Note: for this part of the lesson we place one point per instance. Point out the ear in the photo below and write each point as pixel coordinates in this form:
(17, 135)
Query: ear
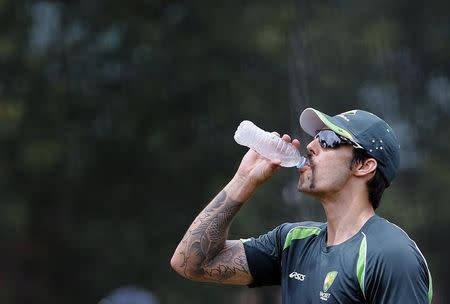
(367, 167)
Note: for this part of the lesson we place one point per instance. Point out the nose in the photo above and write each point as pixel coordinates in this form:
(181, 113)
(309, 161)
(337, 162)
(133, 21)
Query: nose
(313, 146)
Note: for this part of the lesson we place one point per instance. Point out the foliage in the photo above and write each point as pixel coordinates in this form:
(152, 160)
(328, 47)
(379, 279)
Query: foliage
(116, 125)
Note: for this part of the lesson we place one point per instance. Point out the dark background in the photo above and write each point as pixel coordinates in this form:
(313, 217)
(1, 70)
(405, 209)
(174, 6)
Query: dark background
(117, 122)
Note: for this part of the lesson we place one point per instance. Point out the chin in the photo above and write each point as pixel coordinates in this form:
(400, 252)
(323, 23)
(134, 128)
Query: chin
(305, 188)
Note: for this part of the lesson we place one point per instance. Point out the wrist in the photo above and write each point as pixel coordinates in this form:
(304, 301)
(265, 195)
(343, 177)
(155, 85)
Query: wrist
(240, 188)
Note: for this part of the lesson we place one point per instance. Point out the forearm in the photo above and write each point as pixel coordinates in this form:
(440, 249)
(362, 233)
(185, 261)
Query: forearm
(196, 255)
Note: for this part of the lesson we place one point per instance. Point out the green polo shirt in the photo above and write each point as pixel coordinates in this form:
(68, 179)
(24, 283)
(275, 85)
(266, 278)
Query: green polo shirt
(379, 264)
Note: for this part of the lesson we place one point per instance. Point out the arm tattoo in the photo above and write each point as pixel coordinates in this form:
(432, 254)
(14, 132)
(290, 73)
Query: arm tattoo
(206, 238)
(231, 262)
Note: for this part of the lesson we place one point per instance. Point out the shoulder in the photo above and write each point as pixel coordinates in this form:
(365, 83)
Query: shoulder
(284, 233)
(390, 245)
(393, 269)
(306, 227)
(302, 230)
(383, 236)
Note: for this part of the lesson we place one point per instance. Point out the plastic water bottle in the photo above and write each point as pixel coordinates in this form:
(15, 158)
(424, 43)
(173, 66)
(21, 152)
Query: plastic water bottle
(268, 145)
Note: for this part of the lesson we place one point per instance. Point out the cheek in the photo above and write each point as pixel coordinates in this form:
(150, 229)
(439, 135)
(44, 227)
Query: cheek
(334, 175)
(339, 174)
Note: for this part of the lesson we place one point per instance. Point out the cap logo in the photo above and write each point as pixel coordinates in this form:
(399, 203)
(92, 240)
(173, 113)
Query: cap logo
(343, 115)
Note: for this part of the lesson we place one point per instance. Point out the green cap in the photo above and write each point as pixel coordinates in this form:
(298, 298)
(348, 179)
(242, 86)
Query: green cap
(365, 129)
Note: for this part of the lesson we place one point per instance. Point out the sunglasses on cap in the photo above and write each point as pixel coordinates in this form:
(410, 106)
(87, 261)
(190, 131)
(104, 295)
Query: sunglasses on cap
(328, 139)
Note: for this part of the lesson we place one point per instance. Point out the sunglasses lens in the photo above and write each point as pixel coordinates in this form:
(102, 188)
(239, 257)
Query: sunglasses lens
(329, 139)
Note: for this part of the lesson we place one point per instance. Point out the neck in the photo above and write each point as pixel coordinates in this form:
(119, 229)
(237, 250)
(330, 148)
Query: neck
(346, 214)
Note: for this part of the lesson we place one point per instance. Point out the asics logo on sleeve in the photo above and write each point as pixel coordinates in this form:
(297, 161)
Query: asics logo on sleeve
(297, 276)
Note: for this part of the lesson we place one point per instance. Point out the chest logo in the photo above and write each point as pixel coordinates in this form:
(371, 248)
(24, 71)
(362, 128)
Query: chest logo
(329, 279)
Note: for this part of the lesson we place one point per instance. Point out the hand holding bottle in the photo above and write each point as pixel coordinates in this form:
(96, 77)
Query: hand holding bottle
(268, 145)
(268, 152)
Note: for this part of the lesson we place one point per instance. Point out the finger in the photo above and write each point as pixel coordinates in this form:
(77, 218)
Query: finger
(275, 162)
(274, 165)
(276, 133)
(296, 143)
(286, 137)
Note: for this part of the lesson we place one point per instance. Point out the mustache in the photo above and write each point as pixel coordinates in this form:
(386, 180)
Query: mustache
(309, 158)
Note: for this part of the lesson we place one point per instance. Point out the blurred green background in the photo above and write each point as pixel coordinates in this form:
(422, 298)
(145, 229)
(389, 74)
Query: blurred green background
(117, 122)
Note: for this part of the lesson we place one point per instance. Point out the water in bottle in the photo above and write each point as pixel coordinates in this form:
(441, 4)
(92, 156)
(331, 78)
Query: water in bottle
(268, 145)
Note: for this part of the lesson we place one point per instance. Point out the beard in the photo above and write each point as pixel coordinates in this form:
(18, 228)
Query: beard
(312, 184)
(305, 179)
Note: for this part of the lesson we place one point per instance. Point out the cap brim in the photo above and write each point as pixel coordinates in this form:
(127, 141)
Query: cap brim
(312, 121)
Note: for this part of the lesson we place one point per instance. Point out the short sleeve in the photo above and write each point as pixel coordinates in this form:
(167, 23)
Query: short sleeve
(398, 275)
(264, 256)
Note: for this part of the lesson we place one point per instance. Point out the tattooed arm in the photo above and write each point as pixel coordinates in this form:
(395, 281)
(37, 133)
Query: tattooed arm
(204, 253)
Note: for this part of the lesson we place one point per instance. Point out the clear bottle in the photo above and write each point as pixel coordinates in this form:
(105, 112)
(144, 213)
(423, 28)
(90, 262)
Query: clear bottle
(268, 145)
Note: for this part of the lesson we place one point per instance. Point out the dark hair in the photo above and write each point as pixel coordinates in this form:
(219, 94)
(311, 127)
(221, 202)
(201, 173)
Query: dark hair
(376, 184)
